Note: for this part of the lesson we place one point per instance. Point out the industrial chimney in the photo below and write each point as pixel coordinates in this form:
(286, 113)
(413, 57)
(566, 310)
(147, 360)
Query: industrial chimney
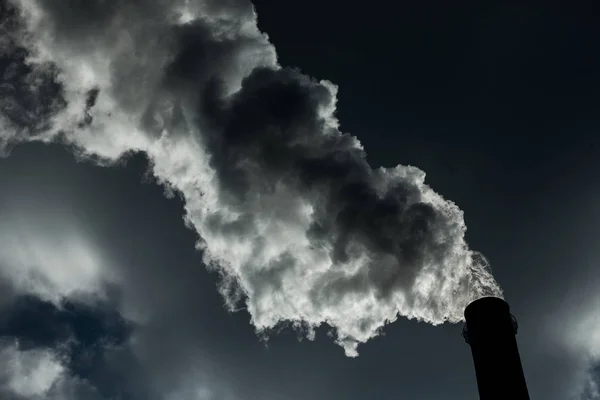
(490, 331)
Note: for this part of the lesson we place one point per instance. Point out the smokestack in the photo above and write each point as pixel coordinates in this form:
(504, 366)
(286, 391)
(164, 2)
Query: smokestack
(490, 331)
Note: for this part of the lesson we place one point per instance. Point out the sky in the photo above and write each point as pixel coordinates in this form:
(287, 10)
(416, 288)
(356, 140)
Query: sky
(226, 200)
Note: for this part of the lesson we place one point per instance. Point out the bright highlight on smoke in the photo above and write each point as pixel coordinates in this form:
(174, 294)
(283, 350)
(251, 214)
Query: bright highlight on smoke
(286, 207)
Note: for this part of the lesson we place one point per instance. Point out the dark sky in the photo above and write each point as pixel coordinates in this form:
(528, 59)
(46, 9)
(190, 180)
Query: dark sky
(497, 103)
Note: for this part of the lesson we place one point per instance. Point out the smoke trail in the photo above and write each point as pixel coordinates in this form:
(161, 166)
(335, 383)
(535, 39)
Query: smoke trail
(301, 229)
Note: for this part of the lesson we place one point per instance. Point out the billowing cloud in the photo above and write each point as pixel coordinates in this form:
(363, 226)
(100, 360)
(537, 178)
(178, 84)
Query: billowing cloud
(286, 207)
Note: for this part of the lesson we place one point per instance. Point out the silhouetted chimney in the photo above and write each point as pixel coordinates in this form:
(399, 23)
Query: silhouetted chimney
(490, 331)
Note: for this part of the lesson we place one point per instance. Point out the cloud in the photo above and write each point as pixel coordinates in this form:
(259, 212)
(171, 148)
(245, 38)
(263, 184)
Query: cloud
(576, 338)
(591, 386)
(28, 374)
(71, 290)
(44, 254)
(61, 351)
(286, 207)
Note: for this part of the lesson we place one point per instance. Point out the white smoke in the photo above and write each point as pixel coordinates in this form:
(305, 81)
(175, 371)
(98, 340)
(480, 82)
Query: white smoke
(300, 227)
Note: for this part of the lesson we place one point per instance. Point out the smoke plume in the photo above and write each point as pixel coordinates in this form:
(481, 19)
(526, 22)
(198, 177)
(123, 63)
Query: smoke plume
(301, 229)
